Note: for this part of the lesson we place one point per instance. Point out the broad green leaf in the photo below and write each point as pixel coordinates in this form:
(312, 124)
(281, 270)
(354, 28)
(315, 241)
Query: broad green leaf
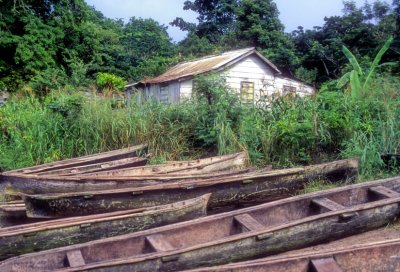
(377, 60)
(353, 60)
(344, 80)
(355, 84)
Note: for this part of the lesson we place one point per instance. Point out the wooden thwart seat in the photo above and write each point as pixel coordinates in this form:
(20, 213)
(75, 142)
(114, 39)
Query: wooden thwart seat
(75, 258)
(158, 243)
(384, 192)
(327, 204)
(324, 265)
(248, 223)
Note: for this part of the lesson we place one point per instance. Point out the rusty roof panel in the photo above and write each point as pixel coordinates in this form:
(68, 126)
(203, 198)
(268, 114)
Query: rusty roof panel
(199, 66)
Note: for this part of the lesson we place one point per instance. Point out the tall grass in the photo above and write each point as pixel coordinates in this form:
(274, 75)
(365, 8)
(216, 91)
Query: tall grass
(286, 132)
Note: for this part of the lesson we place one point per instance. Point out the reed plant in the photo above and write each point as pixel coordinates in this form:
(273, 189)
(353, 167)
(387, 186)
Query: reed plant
(288, 131)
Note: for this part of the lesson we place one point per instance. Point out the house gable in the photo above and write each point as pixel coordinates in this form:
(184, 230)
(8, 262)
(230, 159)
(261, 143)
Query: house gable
(252, 76)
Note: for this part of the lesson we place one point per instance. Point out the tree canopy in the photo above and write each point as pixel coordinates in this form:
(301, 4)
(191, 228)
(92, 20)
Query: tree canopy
(50, 43)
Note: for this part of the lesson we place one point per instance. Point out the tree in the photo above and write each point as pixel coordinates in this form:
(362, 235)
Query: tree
(216, 18)
(362, 29)
(144, 39)
(230, 24)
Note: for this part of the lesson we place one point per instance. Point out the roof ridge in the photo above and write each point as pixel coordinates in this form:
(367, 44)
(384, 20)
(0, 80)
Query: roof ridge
(216, 55)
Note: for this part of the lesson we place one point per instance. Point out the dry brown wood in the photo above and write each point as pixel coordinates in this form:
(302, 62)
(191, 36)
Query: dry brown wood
(384, 192)
(288, 224)
(97, 167)
(14, 213)
(143, 175)
(248, 222)
(75, 258)
(247, 188)
(327, 204)
(375, 256)
(89, 159)
(325, 265)
(158, 243)
(200, 166)
(46, 235)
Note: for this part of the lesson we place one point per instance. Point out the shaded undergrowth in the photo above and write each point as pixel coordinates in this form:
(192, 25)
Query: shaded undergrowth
(283, 131)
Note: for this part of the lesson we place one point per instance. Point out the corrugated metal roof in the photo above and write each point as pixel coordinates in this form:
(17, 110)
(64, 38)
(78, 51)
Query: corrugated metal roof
(207, 64)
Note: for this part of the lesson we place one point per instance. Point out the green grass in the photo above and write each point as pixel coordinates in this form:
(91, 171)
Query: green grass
(285, 132)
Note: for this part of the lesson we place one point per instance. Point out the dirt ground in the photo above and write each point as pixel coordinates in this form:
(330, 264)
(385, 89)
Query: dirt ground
(389, 232)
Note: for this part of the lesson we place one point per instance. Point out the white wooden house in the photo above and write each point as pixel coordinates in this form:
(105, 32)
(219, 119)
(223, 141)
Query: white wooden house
(247, 72)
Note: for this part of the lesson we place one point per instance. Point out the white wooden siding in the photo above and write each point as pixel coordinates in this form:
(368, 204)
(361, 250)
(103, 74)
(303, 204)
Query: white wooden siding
(301, 88)
(186, 89)
(250, 69)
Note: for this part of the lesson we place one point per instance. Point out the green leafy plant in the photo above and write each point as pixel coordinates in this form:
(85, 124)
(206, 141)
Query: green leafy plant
(358, 78)
(111, 82)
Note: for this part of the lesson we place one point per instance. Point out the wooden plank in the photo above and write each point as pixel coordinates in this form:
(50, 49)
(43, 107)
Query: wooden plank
(158, 243)
(75, 258)
(384, 192)
(248, 222)
(327, 204)
(325, 265)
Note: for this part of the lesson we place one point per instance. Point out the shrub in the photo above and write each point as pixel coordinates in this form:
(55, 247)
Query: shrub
(109, 81)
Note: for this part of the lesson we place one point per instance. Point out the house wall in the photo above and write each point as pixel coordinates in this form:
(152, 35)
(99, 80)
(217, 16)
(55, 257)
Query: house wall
(250, 69)
(253, 69)
(186, 89)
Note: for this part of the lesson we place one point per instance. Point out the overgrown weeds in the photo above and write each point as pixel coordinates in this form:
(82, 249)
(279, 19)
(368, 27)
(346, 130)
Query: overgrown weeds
(288, 131)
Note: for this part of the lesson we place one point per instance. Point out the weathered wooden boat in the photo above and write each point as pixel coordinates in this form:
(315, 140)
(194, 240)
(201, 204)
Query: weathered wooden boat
(247, 188)
(200, 166)
(12, 213)
(14, 208)
(378, 256)
(146, 174)
(97, 167)
(84, 160)
(252, 232)
(62, 232)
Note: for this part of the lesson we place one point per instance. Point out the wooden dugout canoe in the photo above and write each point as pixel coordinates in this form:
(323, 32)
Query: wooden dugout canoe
(200, 166)
(378, 256)
(247, 188)
(56, 233)
(14, 213)
(84, 160)
(253, 232)
(34, 184)
(97, 167)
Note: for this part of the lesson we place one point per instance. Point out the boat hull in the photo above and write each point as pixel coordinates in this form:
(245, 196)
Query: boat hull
(239, 235)
(242, 189)
(378, 256)
(57, 233)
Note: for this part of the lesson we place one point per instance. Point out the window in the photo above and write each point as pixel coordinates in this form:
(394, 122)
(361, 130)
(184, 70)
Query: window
(247, 92)
(289, 91)
(164, 94)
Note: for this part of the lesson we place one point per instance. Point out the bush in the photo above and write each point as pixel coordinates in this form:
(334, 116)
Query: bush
(109, 81)
(289, 132)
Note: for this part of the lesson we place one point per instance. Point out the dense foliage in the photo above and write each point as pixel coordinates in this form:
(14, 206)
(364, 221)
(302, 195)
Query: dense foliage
(46, 45)
(50, 44)
(51, 52)
(290, 131)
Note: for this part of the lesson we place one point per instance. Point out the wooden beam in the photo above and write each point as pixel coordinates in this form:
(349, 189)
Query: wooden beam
(327, 204)
(325, 265)
(384, 192)
(158, 243)
(75, 258)
(248, 223)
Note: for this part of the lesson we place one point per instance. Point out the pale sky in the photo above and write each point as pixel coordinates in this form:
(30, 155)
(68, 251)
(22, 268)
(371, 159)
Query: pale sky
(307, 13)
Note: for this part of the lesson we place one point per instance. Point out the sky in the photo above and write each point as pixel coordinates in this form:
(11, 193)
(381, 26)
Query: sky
(307, 13)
